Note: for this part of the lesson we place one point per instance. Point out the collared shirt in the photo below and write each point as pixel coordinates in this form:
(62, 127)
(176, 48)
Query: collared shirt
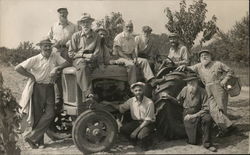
(215, 71)
(81, 41)
(179, 56)
(41, 67)
(139, 110)
(62, 33)
(127, 44)
(194, 100)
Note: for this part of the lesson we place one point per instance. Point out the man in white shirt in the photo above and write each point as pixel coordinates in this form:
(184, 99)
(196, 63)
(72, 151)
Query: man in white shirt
(143, 115)
(41, 70)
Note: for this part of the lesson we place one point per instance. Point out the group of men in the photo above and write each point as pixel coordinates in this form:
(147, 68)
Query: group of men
(85, 48)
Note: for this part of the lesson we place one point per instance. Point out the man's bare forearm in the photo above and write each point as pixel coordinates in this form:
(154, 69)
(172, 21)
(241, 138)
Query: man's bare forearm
(24, 72)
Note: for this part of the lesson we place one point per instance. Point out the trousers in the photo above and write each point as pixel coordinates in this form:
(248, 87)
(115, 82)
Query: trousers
(144, 66)
(43, 101)
(218, 99)
(129, 127)
(192, 129)
(83, 71)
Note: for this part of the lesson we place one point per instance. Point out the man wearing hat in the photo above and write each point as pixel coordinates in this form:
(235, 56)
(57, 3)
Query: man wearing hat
(84, 49)
(194, 100)
(145, 46)
(60, 33)
(40, 96)
(214, 75)
(177, 52)
(124, 47)
(142, 113)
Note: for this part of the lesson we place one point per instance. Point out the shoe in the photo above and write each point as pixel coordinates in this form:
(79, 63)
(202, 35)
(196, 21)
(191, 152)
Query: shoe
(41, 146)
(31, 143)
(212, 149)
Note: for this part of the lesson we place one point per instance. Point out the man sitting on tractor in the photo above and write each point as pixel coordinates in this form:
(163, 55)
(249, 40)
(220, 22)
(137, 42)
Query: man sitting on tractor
(142, 113)
(177, 52)
(145, 46)
(84, 49)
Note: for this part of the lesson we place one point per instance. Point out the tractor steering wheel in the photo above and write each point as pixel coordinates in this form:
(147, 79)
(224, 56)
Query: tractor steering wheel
(164, 62)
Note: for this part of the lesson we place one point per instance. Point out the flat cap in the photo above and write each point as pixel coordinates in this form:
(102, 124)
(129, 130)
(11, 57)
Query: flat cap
(173, 34)
(101, 29)
(204, 51)
(146, 29)
(141, 84)
(60, 9)
(44, 41)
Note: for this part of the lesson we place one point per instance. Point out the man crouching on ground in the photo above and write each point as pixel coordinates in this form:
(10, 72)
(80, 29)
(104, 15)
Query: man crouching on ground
(196, 113)
(142, 113)
(41, 70)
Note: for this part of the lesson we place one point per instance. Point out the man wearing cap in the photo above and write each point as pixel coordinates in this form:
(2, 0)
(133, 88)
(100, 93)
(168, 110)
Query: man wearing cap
(142, 113)
(145, 46)
(40, 70)
(124, 47)
(60, 33)
(84, 49)
(214, 75)
(194, 100)
(177, 52)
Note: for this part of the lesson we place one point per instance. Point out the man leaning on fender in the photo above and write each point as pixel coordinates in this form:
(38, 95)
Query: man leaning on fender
(40, 70)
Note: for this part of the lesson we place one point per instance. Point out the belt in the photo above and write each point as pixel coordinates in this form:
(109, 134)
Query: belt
(44, 84)
(211, 83)
(61, 46)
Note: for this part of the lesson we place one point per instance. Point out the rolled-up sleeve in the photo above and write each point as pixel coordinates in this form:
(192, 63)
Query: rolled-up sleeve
(118, 41)
(28, 64)
(229, 72)
(150, 113)
(125, 106)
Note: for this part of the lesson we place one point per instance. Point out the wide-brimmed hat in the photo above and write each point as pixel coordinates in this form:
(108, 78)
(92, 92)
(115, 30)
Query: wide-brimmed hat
(60, 9)
(86, 16)
(44, 41)
(172, 34)
(204, 51)
(146, 29)
(191, 77)
(141, 84)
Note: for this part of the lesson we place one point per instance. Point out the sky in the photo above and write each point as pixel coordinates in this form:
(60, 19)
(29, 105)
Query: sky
(30, 20)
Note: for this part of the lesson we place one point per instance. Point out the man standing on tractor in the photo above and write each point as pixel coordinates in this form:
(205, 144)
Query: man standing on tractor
(38, 95)
(143, 116)
(145, 46)
(214, 76)
(84, 49)
(177, 52)
(60, 33)
(124, 48)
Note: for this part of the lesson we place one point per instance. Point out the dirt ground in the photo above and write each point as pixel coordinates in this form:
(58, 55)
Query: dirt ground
(237, 143)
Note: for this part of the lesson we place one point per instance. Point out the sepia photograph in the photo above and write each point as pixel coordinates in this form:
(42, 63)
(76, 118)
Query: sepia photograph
(124, 77)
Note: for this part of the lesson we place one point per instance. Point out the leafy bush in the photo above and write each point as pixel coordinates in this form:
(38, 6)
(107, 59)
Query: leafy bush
(15, 56)
(9, 121)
